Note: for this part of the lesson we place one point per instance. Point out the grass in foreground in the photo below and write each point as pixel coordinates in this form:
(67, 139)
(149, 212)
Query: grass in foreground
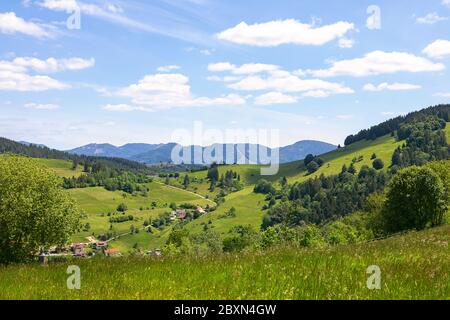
(414, 266)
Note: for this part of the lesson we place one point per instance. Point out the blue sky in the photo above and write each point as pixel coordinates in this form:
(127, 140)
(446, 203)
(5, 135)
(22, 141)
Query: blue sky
(136, 71)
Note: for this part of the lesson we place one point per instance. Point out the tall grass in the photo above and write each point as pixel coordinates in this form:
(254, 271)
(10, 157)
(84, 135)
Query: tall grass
(413, 266)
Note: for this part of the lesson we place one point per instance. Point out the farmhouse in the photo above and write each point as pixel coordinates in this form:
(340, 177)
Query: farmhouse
(112, 253)
(200, 210)
(100, 245)
(78, 249)
(181, 214)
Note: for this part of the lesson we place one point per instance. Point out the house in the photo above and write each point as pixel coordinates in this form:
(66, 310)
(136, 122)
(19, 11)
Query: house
(78, 249)
(112, 253)
(200, 210)
(181, 214)
(100, 245)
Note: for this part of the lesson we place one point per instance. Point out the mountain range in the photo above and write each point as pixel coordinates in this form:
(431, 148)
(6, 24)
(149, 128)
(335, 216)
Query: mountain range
(161, 153)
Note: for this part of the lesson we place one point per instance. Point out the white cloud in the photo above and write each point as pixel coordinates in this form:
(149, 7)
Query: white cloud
(60, 5)
(442, 94)
(317, 94)
(289, 83)
(346, 43)
(119, 107)
(391, 87)
(430, 18)
(438, 49)
(52, 65)
(15, 75)
(379, 62)
(249, 68)
(11, 24)
(274, 98)
(40, 106)
(166, 91)
(279, 32)
(168, 68)
(446, 3)
(345, 116)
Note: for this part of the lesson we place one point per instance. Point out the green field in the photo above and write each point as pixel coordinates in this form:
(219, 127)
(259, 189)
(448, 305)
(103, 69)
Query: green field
(62, 168)
(413, 266)
(97, 202)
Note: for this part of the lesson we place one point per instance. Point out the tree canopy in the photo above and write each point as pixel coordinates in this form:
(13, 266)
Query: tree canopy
(35, 211)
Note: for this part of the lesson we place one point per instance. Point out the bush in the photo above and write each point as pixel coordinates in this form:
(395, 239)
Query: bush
(264, 187)
(415, 199)
(122, 207)
(312, 167)
(378, 164)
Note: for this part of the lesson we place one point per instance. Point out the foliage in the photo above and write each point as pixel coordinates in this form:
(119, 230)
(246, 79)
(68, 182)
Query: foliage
(415, 199)
(34, 211)
(264, 187)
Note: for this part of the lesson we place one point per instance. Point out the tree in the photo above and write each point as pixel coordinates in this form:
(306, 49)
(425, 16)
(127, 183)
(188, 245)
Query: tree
(308, 159)
(352, 169)
(122, 207)
(378, 164)
(264, 187)
(415, 199)
(312, 167)
(35, 212)
(186, 181)
(213, 173)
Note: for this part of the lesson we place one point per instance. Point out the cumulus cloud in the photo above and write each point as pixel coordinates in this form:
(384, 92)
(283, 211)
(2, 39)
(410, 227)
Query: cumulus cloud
(442, 94)
(168, 68)
(275, 80)
(279, 32)
(430, 18)
(166, 91)
(40, 106)
(10, 23)
(275, 98)
(249, 68)
(52, 65)
(346, 43)
(446, 3)
(378, 62)
(438, 49)
(289, 83)
(391, 87)
(16, 75)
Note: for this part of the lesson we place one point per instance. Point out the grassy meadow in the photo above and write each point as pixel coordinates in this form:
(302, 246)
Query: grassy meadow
(413, 266)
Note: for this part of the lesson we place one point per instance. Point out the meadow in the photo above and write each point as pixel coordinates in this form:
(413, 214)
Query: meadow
(413, 266)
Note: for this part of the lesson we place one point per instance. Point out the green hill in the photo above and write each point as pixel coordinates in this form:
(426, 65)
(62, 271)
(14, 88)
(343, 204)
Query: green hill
(337, 272)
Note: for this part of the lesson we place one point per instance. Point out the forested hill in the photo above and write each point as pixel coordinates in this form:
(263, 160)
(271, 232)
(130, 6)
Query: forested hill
(34, 151)
(389, 126)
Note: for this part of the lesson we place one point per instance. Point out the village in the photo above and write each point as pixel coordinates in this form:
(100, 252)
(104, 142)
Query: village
(94, 247)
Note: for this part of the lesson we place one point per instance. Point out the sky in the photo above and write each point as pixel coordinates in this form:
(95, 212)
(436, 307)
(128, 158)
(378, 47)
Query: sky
(89, 71)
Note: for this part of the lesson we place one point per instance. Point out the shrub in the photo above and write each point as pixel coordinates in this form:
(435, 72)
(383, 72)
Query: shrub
(415, 199)
(312, 167)
(378, 164)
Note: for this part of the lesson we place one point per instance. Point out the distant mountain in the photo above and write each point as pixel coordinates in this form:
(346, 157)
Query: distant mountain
(301, 149)
(157, 153)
